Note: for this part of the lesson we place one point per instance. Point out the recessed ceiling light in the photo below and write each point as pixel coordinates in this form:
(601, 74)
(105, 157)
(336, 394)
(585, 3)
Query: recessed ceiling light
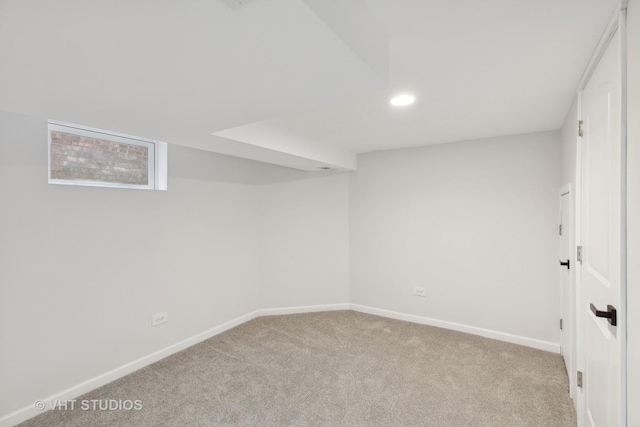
(403, 100)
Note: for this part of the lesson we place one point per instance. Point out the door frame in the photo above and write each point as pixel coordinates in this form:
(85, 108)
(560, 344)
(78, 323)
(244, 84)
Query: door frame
(616, 23)
(567, 190)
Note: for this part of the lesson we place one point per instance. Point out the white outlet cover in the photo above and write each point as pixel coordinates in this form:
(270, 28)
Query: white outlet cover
(159, 318)
(419, 291)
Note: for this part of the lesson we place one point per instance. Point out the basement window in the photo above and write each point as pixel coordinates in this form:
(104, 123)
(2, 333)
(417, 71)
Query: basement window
(84, 156)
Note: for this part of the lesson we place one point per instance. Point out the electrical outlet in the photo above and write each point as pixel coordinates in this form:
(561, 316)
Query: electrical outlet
(159, 318)
(420, 292)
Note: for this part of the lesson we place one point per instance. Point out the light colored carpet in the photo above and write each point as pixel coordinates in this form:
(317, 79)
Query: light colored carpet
(338, 369)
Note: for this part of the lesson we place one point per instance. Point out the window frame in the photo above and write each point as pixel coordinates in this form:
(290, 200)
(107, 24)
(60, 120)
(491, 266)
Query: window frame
(156, 152)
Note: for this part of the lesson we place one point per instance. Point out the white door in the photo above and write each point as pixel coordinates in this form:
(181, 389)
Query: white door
(601, 239)
(565, 265)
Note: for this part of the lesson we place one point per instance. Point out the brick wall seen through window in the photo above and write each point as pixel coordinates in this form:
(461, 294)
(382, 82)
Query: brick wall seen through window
(82, 158)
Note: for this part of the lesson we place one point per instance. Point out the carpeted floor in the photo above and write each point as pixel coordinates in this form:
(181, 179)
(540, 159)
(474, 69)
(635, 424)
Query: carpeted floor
(339, 368)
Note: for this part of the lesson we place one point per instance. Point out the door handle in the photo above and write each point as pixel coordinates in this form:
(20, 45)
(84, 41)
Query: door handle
(566, 263)
(610, 314)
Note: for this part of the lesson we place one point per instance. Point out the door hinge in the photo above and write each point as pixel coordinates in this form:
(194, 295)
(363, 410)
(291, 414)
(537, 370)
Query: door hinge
(579, 254)
(560, 324)
(580, 128)
(560, 229)
(579, 379)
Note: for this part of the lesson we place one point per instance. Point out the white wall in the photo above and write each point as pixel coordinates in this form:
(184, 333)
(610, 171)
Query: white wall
(304, 256)
(475, 223)
(633, 213)
(569, 145)
(82, 269)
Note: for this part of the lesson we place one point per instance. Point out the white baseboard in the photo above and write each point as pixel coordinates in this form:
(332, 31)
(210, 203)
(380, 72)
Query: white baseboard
(27, 412)
(487, 333)
(303, 309)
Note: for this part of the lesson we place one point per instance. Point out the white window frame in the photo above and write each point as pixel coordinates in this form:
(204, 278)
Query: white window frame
(156, 165)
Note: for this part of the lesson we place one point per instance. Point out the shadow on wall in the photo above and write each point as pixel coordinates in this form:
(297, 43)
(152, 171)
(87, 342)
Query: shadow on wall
(191, 163)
